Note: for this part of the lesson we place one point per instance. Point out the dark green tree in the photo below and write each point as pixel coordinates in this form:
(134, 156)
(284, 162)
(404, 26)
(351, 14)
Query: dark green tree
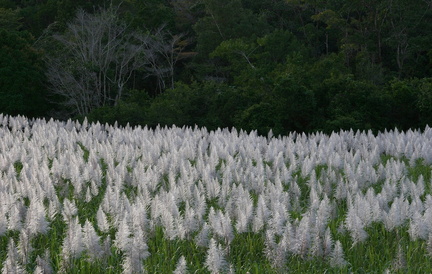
(149, 14)
(22, 77)
(355, 104)
(224, 20)
(10, 19)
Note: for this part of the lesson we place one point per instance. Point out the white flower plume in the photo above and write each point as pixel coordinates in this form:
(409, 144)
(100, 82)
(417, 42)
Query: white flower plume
(215, 261)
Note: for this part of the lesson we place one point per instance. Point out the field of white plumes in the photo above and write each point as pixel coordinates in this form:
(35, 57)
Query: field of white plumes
(92, 198)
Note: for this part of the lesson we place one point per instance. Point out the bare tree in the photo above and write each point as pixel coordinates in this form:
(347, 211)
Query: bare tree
(162, 51)
(98, 54)
(97, 58)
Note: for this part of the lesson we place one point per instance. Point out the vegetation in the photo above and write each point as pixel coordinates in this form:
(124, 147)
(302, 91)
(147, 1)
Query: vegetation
(287, 65)
(92, 198)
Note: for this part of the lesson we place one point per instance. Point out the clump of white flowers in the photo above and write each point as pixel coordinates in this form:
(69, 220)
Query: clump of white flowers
(109, 191)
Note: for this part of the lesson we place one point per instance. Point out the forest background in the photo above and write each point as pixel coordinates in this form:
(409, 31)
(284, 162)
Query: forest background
(285, 65)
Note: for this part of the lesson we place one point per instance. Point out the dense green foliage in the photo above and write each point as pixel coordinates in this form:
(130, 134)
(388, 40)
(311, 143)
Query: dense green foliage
(22, 88)
(292, 65)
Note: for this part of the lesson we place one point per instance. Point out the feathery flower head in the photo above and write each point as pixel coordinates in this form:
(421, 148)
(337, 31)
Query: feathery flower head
(215, 261)
(181, 266)
(337, 256)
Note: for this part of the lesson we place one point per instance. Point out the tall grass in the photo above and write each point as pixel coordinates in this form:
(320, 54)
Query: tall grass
(81, 198)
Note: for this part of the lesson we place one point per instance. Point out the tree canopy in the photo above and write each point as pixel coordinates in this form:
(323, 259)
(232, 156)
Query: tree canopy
(292, 65)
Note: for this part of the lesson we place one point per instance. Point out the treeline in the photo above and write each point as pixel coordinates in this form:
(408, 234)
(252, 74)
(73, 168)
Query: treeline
(288, 65)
